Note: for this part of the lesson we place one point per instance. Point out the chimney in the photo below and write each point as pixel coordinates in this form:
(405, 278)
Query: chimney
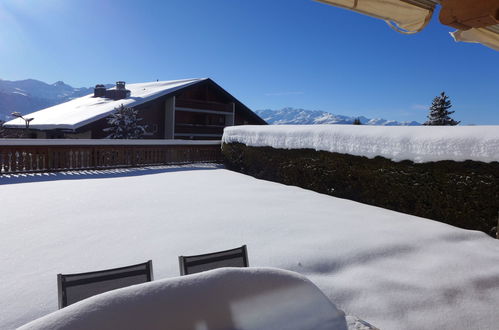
(99, 91)
(120, 85)
(120, 92)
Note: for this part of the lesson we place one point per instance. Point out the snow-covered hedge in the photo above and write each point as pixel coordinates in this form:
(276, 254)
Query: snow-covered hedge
(462, 194)
(419, 144)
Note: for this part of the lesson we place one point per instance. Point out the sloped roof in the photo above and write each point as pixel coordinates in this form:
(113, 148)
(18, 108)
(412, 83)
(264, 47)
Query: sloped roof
(84, 110)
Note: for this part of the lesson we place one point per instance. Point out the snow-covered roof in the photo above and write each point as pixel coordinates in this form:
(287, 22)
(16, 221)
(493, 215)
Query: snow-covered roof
(83, 110)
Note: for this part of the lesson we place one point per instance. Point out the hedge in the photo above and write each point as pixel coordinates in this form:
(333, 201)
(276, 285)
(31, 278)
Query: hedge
(463, 194)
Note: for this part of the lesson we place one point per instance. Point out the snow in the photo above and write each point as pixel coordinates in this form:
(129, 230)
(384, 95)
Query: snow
(230, 298)
(292, 116)
(20, 93)
(393, 270)
(81, 111)
(101, 142)
(419, 144)
(354, 323)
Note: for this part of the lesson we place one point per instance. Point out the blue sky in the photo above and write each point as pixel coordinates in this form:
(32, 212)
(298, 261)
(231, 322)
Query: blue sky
(267, 53)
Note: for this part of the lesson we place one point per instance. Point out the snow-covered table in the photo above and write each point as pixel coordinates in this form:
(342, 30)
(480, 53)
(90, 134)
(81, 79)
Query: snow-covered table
(227, 298)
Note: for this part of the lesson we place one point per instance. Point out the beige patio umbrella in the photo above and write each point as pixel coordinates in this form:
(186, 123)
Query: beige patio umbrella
(403, 16)
(486, 36)
(476, 20)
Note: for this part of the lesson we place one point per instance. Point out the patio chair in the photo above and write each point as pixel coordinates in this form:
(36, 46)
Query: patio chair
(237, 257)
(75, 287)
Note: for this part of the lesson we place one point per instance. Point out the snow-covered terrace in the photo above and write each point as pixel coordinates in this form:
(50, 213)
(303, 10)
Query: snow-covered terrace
(394, 270)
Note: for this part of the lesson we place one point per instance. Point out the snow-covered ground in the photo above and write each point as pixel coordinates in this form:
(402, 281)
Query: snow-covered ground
(393, 270)
(417, 143)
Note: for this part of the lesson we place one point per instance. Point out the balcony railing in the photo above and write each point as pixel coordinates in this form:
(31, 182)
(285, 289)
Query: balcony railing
(37, 155)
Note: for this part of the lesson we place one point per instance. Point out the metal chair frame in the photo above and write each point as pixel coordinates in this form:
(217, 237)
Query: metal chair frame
(63, 282)
(184, 263)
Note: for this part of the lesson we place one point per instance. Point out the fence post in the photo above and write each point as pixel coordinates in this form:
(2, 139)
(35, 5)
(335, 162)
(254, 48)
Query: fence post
(94, 158)
(497, 228)
(49, 159)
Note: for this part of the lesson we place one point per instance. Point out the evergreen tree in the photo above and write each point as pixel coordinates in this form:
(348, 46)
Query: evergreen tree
(439, 112)
(356, 121)
(11, 133)
(124, 124)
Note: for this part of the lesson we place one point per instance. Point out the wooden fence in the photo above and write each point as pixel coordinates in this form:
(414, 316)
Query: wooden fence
(24, 156)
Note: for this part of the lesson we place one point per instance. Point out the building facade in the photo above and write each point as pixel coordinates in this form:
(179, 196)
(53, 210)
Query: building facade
(190, 109)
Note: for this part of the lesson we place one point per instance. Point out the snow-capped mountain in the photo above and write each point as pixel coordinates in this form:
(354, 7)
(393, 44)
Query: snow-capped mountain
(292, 116)
(29, 95)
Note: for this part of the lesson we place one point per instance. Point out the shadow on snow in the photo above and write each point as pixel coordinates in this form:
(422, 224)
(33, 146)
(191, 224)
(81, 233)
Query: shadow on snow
(13, 178)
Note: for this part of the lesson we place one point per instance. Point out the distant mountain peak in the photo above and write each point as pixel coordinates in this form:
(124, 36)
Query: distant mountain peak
(294, 116)
(30, 95)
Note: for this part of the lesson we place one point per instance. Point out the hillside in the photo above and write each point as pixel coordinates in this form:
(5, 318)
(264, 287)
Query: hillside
(30, 95)
(292, 116)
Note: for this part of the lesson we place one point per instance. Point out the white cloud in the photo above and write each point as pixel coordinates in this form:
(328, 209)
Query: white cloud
(284, 93)
(419, 107)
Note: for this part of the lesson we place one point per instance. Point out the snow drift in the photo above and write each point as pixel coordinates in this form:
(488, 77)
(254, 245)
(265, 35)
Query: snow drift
(229, 298)
(419, 144)
(393, 270)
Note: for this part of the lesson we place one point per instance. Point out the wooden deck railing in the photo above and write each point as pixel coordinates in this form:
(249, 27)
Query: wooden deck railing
(34, 155)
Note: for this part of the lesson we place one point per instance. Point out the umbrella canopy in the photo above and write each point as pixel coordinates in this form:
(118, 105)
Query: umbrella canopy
(404, 16)
(477, 21)
(486, 36)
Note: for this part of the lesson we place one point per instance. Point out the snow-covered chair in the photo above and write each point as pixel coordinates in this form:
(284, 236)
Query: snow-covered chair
(75, 287)
(225, 298)
(237, 257)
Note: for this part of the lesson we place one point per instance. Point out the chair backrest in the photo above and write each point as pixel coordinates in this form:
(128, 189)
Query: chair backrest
(76, 287)
(237, 257)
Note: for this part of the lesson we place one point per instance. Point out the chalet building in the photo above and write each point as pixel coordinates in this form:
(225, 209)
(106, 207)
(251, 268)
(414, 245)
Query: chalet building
(178, 109)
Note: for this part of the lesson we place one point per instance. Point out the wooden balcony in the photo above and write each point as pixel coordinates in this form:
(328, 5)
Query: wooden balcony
(37, 155)
(203, 105)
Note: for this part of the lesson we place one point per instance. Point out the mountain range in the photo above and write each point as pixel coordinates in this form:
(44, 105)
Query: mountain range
(292, 116)
(30, 95)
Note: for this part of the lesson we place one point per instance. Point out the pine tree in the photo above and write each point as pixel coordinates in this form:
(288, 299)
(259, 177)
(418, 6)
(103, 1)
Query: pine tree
(11, 133)
(357, 121)
(439, 112)
(124, 124)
